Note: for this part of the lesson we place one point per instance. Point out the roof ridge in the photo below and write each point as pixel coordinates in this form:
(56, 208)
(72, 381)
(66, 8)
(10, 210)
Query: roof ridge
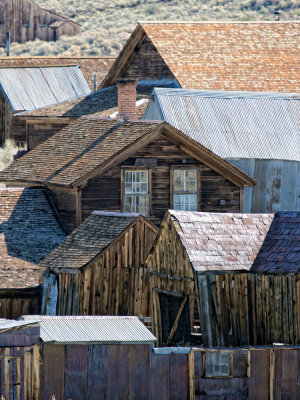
(215, 22)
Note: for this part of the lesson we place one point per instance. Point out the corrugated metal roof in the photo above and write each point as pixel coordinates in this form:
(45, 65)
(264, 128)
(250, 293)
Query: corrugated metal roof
(31, 88)
(234, 124)
(11, 323)
(96, 329)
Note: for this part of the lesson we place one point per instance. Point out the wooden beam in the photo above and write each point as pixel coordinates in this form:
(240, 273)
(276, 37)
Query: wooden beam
(175, 325)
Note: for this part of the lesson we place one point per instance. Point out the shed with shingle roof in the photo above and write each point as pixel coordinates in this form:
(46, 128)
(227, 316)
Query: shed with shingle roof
(248, 55)
(98, 164)
(29, 231)
(99, 268)
(233, 269)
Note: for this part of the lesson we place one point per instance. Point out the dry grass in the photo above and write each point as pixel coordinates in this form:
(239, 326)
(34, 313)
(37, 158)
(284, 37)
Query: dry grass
(7, 153)
(106, 25)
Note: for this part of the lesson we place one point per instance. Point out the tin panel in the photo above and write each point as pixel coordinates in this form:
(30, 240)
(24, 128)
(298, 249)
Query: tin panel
(76, 368)
(138, 371)
(235, 124)
(258, 383)
(159, 377)
(32, 88)
(118, 379)
(97, 372)
(52, 372)
(285, 378)
(179, 379)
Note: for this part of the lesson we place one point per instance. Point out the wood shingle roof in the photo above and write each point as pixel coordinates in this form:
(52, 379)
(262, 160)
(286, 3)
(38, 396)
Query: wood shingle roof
(249, 56)
(29, 230)
(89, 239)
(90, 145)
(251, 242)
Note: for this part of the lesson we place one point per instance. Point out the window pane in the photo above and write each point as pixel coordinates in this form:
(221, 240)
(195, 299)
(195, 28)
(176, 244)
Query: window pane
(190, 180)
(185, 202)
(217, 364)
(177, 181)
(136, 204)
(136, 182)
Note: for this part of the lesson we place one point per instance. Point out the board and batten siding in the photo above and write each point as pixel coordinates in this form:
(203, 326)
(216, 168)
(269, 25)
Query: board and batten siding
(115, 282)
(216, 193)
(26, 21)
(277, 188)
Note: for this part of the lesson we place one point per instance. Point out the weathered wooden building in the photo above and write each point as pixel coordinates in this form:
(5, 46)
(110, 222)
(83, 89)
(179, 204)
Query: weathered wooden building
(29, 230)
(40, 124)
(226, 279)
(131, 166)
(248, 55)
(25, 21)
(113, 358)
(20, 359)
(98, 268)
(31, 88)
(256, 132)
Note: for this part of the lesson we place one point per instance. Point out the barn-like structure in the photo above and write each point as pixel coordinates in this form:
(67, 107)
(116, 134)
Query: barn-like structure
(226, 279)
(25, 21)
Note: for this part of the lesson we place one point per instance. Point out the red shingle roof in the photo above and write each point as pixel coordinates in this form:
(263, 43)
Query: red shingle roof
(248, 56)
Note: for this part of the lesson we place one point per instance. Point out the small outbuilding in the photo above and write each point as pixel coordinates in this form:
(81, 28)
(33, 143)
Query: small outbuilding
(93, 357)
(226, 279)
(29, 88)
(99, 268)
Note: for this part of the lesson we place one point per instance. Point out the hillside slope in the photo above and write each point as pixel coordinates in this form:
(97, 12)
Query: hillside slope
(107, 24)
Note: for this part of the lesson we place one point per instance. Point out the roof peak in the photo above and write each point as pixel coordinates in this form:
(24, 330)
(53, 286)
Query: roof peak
(215, 22)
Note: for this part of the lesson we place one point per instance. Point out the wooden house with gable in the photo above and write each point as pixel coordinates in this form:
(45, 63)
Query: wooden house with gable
(257, 132)
(30, 229)
(248, 55)
(226, 279)
(128, 166)
(98, 269)
(26, 21)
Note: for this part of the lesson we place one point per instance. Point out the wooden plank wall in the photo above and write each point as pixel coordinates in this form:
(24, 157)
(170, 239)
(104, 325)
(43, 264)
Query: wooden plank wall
(116, 283)
(14, 302)
(170, 273)
(65, 202)
(5, 119)
(20, 373)
(26, 21)
(104, 192)
(249, 308)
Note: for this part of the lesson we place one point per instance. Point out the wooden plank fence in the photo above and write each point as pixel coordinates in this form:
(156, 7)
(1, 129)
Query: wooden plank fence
(242, 308)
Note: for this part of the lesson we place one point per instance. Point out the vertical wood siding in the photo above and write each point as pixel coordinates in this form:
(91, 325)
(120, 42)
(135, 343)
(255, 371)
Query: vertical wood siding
(249, 308)
(115, 283)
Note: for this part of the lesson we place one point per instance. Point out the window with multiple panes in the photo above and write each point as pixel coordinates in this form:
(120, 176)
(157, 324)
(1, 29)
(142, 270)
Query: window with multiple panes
(218, 363)
(136, 191)
(185, 190)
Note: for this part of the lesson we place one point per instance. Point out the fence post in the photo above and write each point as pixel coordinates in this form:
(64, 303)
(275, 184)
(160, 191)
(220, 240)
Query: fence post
(191, 371)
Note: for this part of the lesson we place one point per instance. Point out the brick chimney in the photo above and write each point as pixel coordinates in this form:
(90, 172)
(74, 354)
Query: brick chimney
(127, 98)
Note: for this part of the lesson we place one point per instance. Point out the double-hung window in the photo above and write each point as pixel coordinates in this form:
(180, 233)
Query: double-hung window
(185, 189)
(136, 191)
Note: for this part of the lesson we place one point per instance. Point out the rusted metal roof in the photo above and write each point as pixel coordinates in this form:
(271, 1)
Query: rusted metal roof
(29, 230)
(88, 240)
(31, 88)
(92, 329)
(233, 124)
(232, 241)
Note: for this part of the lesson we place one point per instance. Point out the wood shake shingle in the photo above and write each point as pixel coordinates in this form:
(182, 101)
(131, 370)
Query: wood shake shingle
(248, 56)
